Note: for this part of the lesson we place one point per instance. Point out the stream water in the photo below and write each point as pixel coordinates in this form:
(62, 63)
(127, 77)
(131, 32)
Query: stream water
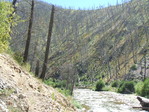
(106, 101)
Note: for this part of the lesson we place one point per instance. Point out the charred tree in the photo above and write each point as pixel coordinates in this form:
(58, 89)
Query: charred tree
(11, 15)
(37, 69)
(133, 49)
(33, 58)
(44, 68)
(145, 64)
(14, 4)
(25, 57)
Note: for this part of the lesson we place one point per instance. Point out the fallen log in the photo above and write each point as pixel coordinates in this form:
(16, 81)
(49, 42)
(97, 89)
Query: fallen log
(143, 108)
(144, 104)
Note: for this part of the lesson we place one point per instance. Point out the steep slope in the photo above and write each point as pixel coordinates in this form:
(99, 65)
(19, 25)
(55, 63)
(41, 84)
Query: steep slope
(105, 42)
(21, 92)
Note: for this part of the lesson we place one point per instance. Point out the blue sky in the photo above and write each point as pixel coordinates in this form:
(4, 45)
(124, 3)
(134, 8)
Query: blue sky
(75, 4)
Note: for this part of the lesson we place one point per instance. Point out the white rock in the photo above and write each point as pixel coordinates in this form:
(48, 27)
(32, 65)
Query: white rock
(3, 107)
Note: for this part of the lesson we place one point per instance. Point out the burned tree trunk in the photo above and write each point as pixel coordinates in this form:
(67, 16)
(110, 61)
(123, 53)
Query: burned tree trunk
(14, 2)
(14, 5)
(44, 68)
(37, 69)
(33, 58)
(25, 57)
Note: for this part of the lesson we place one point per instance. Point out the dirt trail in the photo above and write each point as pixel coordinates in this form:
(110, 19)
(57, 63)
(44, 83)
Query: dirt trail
(21, 92)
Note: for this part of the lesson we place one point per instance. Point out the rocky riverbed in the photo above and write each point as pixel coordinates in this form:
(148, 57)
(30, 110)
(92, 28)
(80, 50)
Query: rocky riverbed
(106, 101)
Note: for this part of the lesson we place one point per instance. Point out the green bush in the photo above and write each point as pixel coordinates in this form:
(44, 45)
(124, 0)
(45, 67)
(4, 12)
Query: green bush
(100, 84)
(49, 82)
(56, 83)
(134, 67)
(65, 92)
(126, 87)
(6, 22)
(145, 88)
(116, 83)
(138, 88)
(60, 83)
(121, 83)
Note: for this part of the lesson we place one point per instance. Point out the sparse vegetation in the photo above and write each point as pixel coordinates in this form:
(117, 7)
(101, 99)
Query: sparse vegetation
(13, 109)
(76, 104)
(6, 92)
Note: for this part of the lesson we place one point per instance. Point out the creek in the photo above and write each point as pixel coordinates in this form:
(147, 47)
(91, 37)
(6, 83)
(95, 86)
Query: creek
(105, 101)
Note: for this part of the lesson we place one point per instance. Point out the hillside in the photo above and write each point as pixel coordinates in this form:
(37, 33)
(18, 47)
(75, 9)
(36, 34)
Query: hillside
(21, 92)
(104, 42)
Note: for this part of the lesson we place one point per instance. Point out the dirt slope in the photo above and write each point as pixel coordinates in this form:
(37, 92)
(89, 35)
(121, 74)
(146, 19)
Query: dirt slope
(21, 92)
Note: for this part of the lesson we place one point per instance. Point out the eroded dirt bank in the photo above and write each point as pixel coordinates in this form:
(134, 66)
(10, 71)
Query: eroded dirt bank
(21, 92)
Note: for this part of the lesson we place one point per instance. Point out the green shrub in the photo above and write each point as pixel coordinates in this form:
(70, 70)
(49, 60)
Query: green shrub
(145, 89)
(134, 67)
(65, 92)
(100, 84)
(126, 87)
(60, 84)
(138, 88)
(56, 83)
(49, 82)
(6, 22)
(116, 83)
(121, 83)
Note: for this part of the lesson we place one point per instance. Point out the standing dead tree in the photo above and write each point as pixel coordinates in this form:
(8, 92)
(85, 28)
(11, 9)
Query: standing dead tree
(44, 68)
(14, 5)
(25, 57)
